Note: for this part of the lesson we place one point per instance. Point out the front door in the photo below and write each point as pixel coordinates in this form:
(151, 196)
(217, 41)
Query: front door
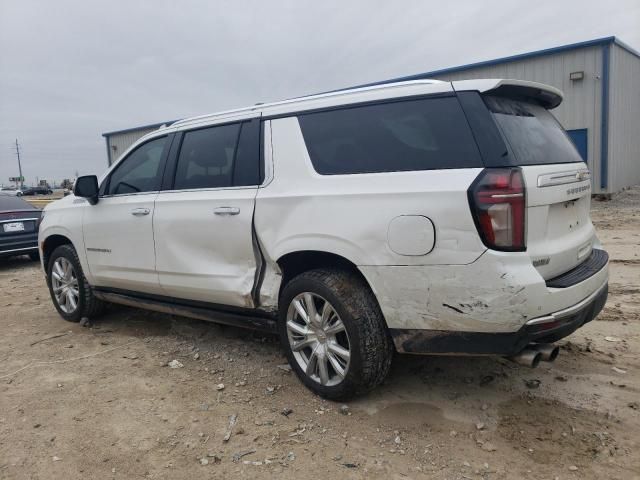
(118, 230)
(203, 225)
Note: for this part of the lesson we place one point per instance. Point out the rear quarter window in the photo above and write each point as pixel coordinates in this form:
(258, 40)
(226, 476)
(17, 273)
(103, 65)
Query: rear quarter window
(423, 134)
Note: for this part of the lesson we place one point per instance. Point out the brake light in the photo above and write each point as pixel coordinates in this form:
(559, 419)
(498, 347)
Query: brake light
(497, 200)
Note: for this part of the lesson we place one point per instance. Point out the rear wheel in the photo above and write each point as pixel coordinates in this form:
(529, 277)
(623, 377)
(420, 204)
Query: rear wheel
(333, 333)
(71, 293)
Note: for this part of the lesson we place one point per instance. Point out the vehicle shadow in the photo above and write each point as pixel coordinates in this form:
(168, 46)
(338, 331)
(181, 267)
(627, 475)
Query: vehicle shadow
(17, 264)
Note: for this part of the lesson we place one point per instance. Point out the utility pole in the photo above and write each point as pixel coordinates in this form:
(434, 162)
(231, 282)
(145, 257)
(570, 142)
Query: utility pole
(19, 165)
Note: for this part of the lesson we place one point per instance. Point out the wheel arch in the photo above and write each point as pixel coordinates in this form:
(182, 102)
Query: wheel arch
(294, 263)
(50, 244)
(297, 262)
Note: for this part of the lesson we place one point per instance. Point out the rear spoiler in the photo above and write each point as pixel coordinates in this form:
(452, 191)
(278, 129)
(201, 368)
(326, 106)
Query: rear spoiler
(547, 96)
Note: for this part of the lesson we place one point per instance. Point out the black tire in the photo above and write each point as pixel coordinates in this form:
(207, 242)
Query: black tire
(88, 305)
(371, 348)
(35, 256)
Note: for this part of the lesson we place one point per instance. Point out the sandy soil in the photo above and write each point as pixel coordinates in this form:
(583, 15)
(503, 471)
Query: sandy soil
(100, 402)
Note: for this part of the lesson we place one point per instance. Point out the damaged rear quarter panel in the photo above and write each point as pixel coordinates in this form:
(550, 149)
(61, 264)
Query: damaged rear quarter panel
(349, 215)
(491, 294)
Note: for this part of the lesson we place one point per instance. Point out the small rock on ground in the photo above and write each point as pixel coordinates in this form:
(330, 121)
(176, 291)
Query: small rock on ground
(175, 364)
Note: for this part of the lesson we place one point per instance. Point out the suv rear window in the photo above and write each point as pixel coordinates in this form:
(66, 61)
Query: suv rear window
(533, 134)
(407, 135)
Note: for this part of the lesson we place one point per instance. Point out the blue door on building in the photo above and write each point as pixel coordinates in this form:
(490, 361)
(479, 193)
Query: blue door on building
(579, 138)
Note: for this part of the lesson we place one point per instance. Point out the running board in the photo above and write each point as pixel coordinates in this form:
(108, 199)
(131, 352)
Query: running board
(268, 325)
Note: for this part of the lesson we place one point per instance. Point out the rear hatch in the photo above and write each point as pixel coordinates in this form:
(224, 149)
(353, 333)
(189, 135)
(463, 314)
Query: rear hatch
(559, 233)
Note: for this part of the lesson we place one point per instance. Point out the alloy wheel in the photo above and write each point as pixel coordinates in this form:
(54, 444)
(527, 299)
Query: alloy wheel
(64, 283)
(318, 339)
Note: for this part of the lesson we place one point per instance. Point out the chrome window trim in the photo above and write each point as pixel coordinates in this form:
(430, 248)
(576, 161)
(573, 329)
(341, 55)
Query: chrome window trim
(128, 194)
(267, 154)
(212, 189)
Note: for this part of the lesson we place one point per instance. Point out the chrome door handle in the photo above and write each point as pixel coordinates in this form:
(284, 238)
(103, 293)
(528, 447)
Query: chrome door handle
(139, 212)
(227, 211)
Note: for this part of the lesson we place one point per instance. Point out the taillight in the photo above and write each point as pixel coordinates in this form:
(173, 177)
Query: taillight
(497, 200)
(39, 221)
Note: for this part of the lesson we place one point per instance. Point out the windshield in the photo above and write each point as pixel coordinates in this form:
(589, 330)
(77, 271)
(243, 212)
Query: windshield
(533, 134)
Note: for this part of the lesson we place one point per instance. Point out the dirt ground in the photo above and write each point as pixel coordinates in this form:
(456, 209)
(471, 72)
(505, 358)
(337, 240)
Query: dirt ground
(101, 402)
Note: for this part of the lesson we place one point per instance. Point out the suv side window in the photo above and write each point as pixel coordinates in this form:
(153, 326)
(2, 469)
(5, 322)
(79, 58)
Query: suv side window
(206, 158)
(219, 156)
(141, 171)
(246, 168)
(425, 134)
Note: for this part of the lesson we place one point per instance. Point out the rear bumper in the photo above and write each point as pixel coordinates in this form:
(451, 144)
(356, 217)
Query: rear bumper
(19, 245)
(499, 292)
(549, 328)
(592, 265)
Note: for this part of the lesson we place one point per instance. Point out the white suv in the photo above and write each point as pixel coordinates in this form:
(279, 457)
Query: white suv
(423, 217)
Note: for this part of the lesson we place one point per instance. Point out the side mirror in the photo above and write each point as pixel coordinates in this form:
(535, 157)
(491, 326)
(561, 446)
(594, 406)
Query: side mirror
(87, 187)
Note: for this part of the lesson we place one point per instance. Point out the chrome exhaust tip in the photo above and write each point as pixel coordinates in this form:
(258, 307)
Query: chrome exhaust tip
(527, 357)
(548, 351)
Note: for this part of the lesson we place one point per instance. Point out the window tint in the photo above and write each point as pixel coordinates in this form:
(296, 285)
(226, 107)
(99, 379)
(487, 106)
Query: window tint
(206, 158)
(399, 136)
(221, 156)
(246, 170)
(141, 171)
(532, 132)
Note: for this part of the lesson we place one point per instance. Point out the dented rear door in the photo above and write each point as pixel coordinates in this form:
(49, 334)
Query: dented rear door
(203, 221)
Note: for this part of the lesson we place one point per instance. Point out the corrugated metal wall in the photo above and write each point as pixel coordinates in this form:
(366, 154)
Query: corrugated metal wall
(119, 142)
(581, 107)
(624, 119)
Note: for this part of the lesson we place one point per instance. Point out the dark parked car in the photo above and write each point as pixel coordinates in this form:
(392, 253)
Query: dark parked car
(19, 221)
(37, 191)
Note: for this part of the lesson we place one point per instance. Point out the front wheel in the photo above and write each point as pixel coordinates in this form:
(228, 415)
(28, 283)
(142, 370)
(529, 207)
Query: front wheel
(71, 293)
(334, 334)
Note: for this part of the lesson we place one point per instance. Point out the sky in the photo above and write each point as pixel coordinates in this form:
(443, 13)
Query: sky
(72, 70)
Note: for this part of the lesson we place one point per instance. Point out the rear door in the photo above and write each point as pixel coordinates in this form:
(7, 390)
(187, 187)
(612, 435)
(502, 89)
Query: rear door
(559, 232)
(203, 221)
